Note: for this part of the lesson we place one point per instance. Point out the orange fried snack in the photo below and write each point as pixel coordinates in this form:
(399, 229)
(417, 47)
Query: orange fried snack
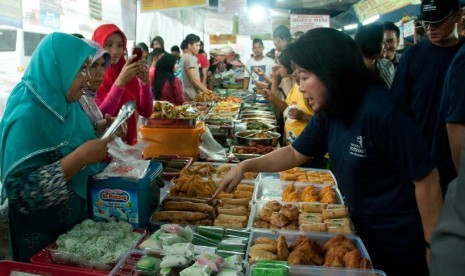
(286, 192)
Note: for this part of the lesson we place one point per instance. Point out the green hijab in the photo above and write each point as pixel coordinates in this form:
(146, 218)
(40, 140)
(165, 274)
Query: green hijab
(38, 119)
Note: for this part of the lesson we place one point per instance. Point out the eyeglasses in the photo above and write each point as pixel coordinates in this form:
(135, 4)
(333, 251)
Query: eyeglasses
(436, 24)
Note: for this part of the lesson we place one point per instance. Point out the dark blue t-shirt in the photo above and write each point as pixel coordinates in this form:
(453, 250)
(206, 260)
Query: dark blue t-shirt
(374, 158)
(451, 110)
(418, 84)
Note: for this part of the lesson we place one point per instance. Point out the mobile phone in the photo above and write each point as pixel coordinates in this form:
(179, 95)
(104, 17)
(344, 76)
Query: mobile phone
(138, 52)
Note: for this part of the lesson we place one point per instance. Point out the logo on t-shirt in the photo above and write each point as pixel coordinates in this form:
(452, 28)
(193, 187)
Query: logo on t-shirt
(358, 149)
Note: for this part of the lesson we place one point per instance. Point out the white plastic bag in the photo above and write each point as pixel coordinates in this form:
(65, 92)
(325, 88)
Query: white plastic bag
(210, 149)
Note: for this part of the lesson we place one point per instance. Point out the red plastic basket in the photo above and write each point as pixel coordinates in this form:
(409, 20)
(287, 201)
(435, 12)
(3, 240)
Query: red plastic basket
(6, 267)
(43, 257)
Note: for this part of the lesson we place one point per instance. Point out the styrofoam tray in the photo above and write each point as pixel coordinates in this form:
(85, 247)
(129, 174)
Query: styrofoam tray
(321, 238)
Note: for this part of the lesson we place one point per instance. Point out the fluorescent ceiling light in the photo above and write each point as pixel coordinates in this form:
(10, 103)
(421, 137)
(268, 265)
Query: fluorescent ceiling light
(371, 19)
(256, 13)
(350, 27)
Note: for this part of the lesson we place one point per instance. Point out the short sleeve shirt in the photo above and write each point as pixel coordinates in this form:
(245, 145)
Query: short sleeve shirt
(265, 64)
(188, 61)
(374, 157)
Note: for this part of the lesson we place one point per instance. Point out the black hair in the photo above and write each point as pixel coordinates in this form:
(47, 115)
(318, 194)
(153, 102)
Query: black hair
(184, 45)
(175, 48)
(191, 39)
(160, 41)
(78, 35)
(369, 39)
(282, 32)
(390, 26)
(257, 40)
(143, 46)
(163, 72)
(285, 60)
(336, 60)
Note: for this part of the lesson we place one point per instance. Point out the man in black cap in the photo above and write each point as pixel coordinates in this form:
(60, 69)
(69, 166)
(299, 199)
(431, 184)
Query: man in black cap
(420, 75)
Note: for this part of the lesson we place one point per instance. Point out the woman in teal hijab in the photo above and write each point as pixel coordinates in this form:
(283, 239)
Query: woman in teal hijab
(48, 147)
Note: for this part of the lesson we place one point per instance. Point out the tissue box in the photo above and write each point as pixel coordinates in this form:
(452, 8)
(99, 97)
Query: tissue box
(130, 200)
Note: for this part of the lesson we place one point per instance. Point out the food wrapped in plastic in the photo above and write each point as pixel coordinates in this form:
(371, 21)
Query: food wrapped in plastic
(180, 249)
(172, 261)
(212, 260)
(197, 270)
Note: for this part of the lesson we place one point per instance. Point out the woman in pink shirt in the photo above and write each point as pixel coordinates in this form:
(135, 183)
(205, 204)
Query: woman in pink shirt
(166, 86)
(123, 81)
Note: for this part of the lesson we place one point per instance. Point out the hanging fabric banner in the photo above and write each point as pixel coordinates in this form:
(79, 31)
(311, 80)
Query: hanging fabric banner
(365, 9)
(153, 5)
(232, 6)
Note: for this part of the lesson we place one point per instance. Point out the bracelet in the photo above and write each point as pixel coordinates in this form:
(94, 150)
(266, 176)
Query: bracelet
(427, 245)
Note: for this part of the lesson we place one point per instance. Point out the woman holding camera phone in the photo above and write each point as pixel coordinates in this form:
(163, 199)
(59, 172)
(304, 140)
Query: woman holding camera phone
(124, 81)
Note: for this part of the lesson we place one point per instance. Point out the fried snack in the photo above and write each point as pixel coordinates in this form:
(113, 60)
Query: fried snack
(224, 195)
(293, 197)
(273, 205)
(287, 192)
(334, 261)
(313, 227)
(188, 206)
(312, 174)
(313, 207)
(282, 250)
(264, 240)
(301, 240)
(365, 264)
(179, 215)
(315, 180)
(287, 176)
(265, 214)
(235, 201)
(230, 218)
(352, 259)
(245, 187)
(305, 218)
(243, 194)
(306, 252)
(325, 190)
(294, 225)
(329, 197)
(237, 211)
(290, 211)
(335, 206)
(229, 224)
(278, 219)
(258, 223)
(301, 178)
(267, 247)
(335, 213)
(209, 201)
(207, 222)
(250, 175)
(339, 240)
(223, 169)
(340, 229)
(338, 222)
(258, 255)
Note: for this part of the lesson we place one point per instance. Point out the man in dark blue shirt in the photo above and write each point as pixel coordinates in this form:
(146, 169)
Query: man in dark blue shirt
(420, 74)
(383, 167)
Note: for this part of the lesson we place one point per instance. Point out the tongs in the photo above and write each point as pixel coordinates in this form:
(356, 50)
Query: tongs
(124, 113)
(262, 131)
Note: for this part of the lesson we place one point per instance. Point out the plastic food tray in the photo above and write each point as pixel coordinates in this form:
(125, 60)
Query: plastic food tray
(266, 190)
(257, 206)
(50, 256)
(7, 267)
(217, 164)
(167, 175)
(244, 156)
(321, 238)
(325, 271)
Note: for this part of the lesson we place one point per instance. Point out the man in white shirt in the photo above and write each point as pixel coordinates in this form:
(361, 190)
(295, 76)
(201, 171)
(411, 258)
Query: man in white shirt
(256, 65)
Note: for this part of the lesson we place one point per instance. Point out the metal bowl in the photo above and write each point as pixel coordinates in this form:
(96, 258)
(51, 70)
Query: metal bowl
(242, 140)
